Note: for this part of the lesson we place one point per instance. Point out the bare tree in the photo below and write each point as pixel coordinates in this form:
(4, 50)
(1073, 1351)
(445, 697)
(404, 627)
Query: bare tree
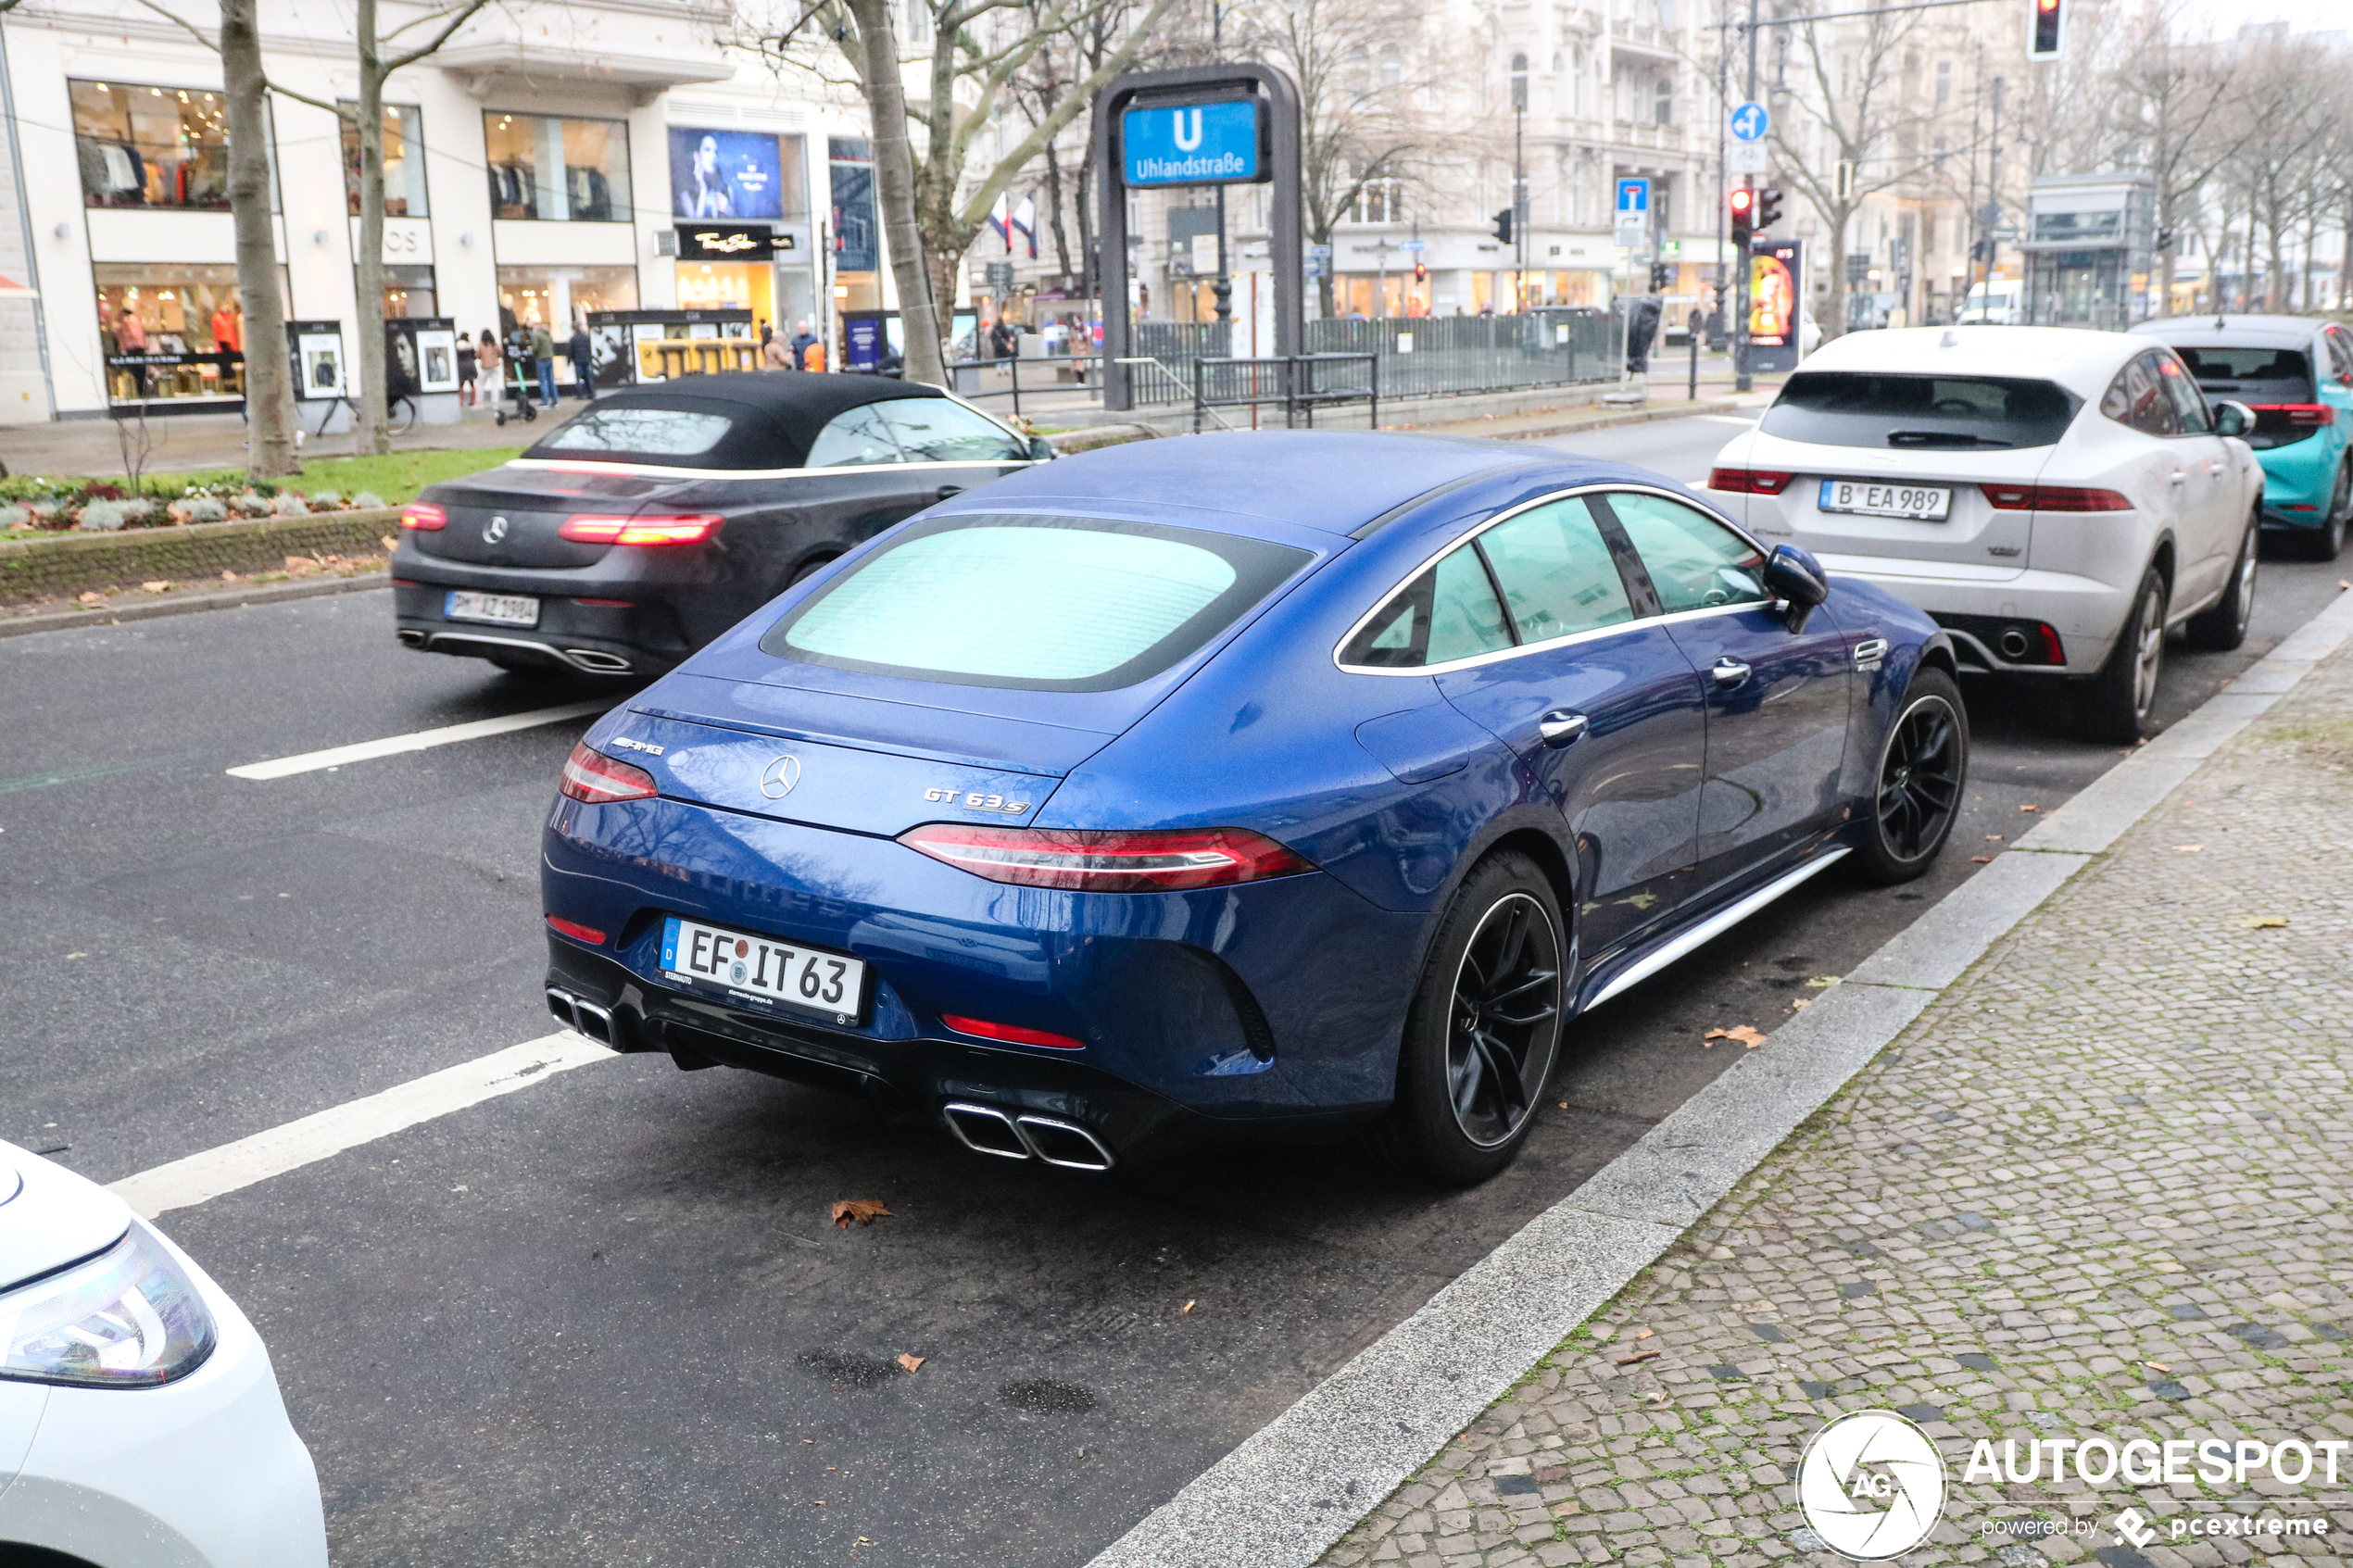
(936, 197)
(269, 414)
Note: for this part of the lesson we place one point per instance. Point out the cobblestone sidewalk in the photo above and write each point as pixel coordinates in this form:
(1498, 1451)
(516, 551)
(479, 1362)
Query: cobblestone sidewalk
(2099, 1189)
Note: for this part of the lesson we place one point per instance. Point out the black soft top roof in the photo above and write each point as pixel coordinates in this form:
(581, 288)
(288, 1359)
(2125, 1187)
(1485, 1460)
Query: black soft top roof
(775, 415)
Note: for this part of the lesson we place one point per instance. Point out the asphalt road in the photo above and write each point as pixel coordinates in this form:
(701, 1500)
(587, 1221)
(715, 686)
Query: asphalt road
(605, 1320)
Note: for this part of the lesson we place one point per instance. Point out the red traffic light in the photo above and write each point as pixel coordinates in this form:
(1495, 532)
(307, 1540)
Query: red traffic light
(1743, 203)
(1743, 200)
(2044, 43)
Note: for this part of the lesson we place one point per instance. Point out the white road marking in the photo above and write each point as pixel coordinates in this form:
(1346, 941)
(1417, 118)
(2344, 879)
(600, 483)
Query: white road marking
(199, 1178)
(393, 745)
(1729, 419)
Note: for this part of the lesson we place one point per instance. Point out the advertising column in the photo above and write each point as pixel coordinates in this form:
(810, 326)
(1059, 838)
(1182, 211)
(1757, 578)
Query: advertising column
(1777, 285)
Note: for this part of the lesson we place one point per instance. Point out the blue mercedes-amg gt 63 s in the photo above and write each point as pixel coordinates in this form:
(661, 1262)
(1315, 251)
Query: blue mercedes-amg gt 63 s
(1273, 784)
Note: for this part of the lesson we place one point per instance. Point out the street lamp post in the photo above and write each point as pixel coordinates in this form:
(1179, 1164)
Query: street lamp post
(1743, 379)
(1520, 184)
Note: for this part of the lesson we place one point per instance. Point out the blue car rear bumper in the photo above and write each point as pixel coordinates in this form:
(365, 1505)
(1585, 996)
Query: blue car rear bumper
(1275, 1002)
(2299, 482)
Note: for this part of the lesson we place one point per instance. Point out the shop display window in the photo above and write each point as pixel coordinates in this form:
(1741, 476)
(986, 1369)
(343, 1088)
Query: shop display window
(560, 297)
(170, 332)
(409, 292)
(404, 162)
(556, 170)
(151, 147)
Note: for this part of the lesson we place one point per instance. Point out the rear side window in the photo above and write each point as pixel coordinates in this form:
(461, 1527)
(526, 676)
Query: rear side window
(1448, 612)
(1865, 408)
(2189, 405)
(660, 432)
(1694, 561)
(856, 438)
(2251, 375)
(1045, 603)
(2137, 398)
(932, 429)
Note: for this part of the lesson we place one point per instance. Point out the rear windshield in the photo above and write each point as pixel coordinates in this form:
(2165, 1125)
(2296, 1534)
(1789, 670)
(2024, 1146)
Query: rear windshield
(659, 432)
(2266, 375)
(1040, 603)
(1859, 408)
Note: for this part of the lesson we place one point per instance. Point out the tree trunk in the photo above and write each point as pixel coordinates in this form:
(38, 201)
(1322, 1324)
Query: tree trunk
(269, 414)
(372, 436)
(1054, 207)
(1836, 310)
(895, 190)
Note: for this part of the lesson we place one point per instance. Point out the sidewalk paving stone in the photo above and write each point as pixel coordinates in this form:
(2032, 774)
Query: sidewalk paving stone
(2099, 1187)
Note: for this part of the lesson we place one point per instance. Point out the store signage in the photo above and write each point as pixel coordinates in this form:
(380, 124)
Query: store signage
(726, 242)
(1199, 144)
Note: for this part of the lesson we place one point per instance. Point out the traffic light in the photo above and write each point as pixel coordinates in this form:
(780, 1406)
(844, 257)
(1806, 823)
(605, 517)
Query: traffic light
(1769, 209)
(1421, 273)
(2045, 45)
(1662, 277)
(1504, 225)
(1743, 215)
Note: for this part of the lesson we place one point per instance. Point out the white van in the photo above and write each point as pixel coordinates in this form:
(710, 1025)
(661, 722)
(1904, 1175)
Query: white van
(2000, 303)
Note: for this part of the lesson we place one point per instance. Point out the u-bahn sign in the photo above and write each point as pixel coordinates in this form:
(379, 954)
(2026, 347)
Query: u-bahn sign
(1196, 143)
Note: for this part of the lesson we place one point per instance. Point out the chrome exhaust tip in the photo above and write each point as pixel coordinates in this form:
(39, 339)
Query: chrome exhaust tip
(1063, 1144)
(564, 1005)
(984, 1129)
(411, 637)
(595, 1022)
(597, 661)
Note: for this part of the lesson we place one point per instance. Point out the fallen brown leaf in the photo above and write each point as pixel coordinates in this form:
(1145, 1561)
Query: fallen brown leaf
(911, 1362)
(1636, 1356)
(1742, 1032)
(2262, 922)
(389, 543)
(90, 598)
(865, 1210)
(1644, 1332)
(1801, 1004)
(2030, 808)
(300, 566)
(1993, 839)
(1187, 1307)
(162, 586)
(231, 577)
(1980, 859)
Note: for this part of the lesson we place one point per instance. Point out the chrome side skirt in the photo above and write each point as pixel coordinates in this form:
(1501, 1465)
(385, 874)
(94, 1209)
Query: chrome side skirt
(1719, 923)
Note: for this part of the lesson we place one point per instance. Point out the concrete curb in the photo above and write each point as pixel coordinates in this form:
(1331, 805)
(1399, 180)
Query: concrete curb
(1576, 426)
(1303, 1481)
(150, 610)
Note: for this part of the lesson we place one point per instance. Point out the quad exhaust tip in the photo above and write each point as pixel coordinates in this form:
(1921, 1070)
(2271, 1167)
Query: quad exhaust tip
(587, 1017)
(985, 1129)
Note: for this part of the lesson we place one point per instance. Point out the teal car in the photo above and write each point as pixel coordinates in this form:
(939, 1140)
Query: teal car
(2297, 373)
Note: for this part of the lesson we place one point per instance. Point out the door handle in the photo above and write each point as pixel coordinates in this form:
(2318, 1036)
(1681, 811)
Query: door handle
(1730, 672)
(946, 490)
(1562, 725)
(2180, 477)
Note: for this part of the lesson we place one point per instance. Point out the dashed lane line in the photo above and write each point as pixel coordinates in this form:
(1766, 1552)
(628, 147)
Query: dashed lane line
(422, 740)
(199, 1178)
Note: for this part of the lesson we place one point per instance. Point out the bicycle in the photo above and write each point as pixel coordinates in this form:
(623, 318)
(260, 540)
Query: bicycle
(400, 413)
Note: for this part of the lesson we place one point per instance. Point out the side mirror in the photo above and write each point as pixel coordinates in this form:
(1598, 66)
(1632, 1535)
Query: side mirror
(1797, 578)
(2233, 419)
(1040, 449)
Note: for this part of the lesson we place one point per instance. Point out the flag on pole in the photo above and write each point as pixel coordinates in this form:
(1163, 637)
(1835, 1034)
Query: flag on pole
(1026, 225)
(1000, 219)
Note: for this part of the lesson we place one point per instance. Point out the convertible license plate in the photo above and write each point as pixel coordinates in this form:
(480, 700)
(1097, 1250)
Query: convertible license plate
(1929, 503)
(500, 609)
(811, 980)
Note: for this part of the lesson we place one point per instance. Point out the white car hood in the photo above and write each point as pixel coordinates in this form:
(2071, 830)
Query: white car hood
(49, 1217)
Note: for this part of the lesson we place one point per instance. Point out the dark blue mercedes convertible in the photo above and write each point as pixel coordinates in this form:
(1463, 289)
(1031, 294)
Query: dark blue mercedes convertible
(1279, 784)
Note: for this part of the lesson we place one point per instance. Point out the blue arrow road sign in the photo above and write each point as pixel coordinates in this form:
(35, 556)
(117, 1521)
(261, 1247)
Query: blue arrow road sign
(1410, 245)
(1750, 122)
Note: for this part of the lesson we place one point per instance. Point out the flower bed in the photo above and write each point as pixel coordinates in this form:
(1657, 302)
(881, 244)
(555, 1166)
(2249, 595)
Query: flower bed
(37, 506)
(63, 565)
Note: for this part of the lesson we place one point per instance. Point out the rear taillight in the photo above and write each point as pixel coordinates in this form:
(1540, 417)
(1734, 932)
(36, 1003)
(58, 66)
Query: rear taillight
(577, 931)
(1749, 481)
(2301, 416)
(2052, 498)
(1158, 861)
(424, 517)
(586, 529)
(1012, 1032)
(595, 778)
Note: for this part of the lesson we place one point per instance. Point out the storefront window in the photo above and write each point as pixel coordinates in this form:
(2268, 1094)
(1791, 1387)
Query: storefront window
(409, 292)
(404, 162)
(857, 235)
(151, 147)
(560, 297)
(557, 171)
(170, 332)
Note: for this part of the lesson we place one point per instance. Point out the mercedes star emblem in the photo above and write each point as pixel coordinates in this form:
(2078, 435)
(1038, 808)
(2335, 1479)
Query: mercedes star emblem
(777, 779)
(493, 531)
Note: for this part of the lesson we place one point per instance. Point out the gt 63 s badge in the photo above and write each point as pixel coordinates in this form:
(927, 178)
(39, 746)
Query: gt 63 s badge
(1871, 1485)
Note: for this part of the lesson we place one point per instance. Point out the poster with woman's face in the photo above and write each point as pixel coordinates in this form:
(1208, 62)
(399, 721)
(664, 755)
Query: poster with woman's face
(729, 174)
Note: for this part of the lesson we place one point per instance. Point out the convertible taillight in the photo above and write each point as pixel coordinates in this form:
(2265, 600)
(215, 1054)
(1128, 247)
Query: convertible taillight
(586, 529)
(593, 777)
(1749, 481)
(1158, 861)
(2052, 498)
(424, 517)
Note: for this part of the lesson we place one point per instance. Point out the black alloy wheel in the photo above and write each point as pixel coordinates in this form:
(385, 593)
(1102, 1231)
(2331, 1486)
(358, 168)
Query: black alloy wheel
(1485, 1027)
(2325, 542)
(1921, 775)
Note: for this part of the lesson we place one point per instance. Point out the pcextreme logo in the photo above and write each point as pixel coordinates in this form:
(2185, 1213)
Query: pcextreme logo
(1871, 1485)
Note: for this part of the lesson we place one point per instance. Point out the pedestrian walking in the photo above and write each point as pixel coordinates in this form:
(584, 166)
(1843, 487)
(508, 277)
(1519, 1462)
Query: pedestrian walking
(802, 339)
(468, 369)
(543, 352)
(494, 369)
(584, 380)
(775, 354)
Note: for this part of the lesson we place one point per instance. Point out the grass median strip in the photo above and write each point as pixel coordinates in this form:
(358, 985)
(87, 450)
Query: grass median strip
(421, 740)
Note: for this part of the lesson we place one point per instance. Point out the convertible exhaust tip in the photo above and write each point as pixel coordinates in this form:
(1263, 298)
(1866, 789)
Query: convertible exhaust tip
(985, 1129)
(597, 661)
